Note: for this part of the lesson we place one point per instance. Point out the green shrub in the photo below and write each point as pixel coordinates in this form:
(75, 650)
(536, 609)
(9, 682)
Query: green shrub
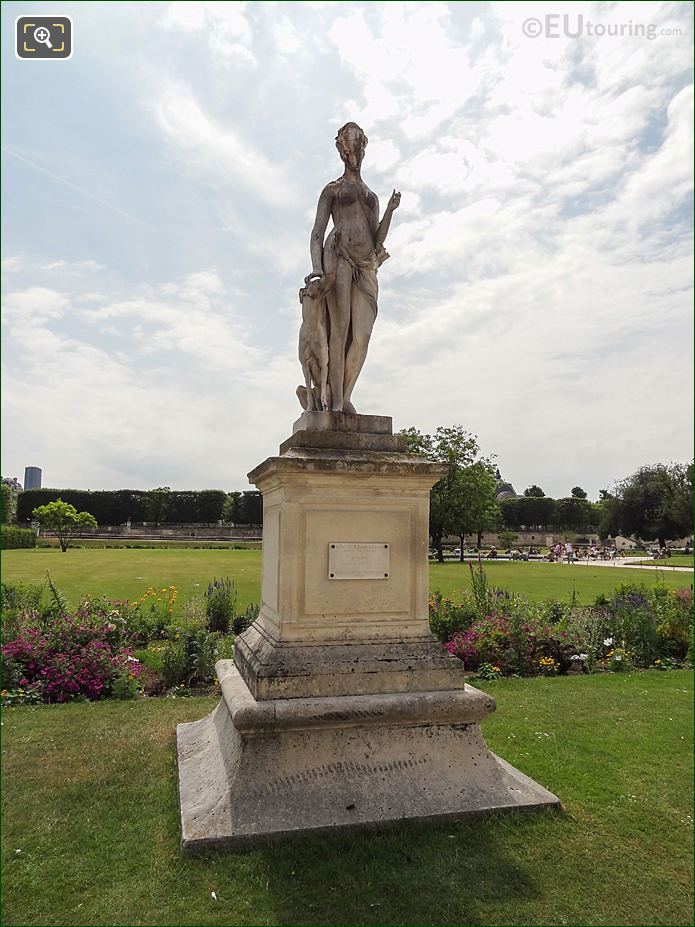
(243, 621)
(447, 617)
(189, 658)
(151, 617)
(16, 596)
(125, 687)
(13, 538)
(152, 657)
(220, 605)
(18, 600)
(225, 648)
(674, 611)
(634, 623)
(174, 664)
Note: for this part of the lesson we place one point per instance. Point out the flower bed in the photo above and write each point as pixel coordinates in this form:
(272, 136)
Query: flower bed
(54, 654)
(497, 633)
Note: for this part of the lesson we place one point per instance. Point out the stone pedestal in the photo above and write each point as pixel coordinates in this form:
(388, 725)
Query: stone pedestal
(341, 708)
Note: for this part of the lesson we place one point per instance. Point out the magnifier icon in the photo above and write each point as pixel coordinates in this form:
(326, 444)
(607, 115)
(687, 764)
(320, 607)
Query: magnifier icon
(43, 36)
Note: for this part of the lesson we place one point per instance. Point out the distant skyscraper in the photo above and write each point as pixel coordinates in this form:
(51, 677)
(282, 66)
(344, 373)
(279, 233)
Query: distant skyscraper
(32, 477)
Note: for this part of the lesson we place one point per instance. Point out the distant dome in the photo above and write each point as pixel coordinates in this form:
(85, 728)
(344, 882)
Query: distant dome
(504, 490)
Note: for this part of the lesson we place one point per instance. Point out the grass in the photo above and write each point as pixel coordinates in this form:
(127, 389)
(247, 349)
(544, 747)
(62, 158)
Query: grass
(550, 580)
(89, 798)
(675, 560)
(126, 574)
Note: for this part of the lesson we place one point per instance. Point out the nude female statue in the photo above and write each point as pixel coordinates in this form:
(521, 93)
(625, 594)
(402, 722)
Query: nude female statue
(351, 255)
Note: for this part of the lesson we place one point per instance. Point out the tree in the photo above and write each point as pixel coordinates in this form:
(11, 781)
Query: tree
(63, 520)
(534, 492)
(578, 493)
(5, 504)
(507, 538)
(656, 502)
(475, 503)
(463, 501)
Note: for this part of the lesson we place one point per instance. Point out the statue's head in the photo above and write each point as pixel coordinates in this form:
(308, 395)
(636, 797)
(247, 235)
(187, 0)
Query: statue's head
(351, 142)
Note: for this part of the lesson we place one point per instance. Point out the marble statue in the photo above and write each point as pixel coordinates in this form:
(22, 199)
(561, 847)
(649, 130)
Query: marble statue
(339, 298)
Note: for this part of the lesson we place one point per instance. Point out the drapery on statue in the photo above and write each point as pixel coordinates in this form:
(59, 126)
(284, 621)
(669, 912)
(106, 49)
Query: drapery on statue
(339, 298)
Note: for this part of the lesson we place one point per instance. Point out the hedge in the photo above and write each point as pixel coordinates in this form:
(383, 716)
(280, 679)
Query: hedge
(115, 507)
(13, 538)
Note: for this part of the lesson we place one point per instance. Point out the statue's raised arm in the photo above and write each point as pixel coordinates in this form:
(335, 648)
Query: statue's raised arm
(347, 262)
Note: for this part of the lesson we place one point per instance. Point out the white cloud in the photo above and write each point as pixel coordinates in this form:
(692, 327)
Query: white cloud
(73, 267)
(224, 24)
(214, 150)
(11, 264)
(34, 306)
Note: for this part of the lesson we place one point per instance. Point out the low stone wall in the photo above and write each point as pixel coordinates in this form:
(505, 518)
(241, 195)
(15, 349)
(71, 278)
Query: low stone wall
(177, 532)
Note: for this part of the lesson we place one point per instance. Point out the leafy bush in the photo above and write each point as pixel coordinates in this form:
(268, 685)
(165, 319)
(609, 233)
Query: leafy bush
(675, 622)
(13, 538)
(244, 620)
(220, 604)
(16, 599)
(17, 596)
(190, 658)
(151, 616)
(447, 617)
(125, 686)
(479, 584)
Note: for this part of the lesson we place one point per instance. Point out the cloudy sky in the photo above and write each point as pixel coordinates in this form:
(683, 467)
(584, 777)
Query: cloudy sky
(159, 192)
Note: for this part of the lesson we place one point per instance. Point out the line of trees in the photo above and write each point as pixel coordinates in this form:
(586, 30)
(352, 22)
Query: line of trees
(655, 503)
(533, 511)
(160, 506)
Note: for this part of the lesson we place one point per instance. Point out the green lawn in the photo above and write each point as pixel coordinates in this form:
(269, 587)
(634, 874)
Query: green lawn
(550, 580)
(126, 574)
(91, 834)
(675, 560)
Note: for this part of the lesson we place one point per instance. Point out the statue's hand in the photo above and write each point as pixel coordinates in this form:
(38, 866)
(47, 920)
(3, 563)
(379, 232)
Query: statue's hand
(314, 275)
(394, 202)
